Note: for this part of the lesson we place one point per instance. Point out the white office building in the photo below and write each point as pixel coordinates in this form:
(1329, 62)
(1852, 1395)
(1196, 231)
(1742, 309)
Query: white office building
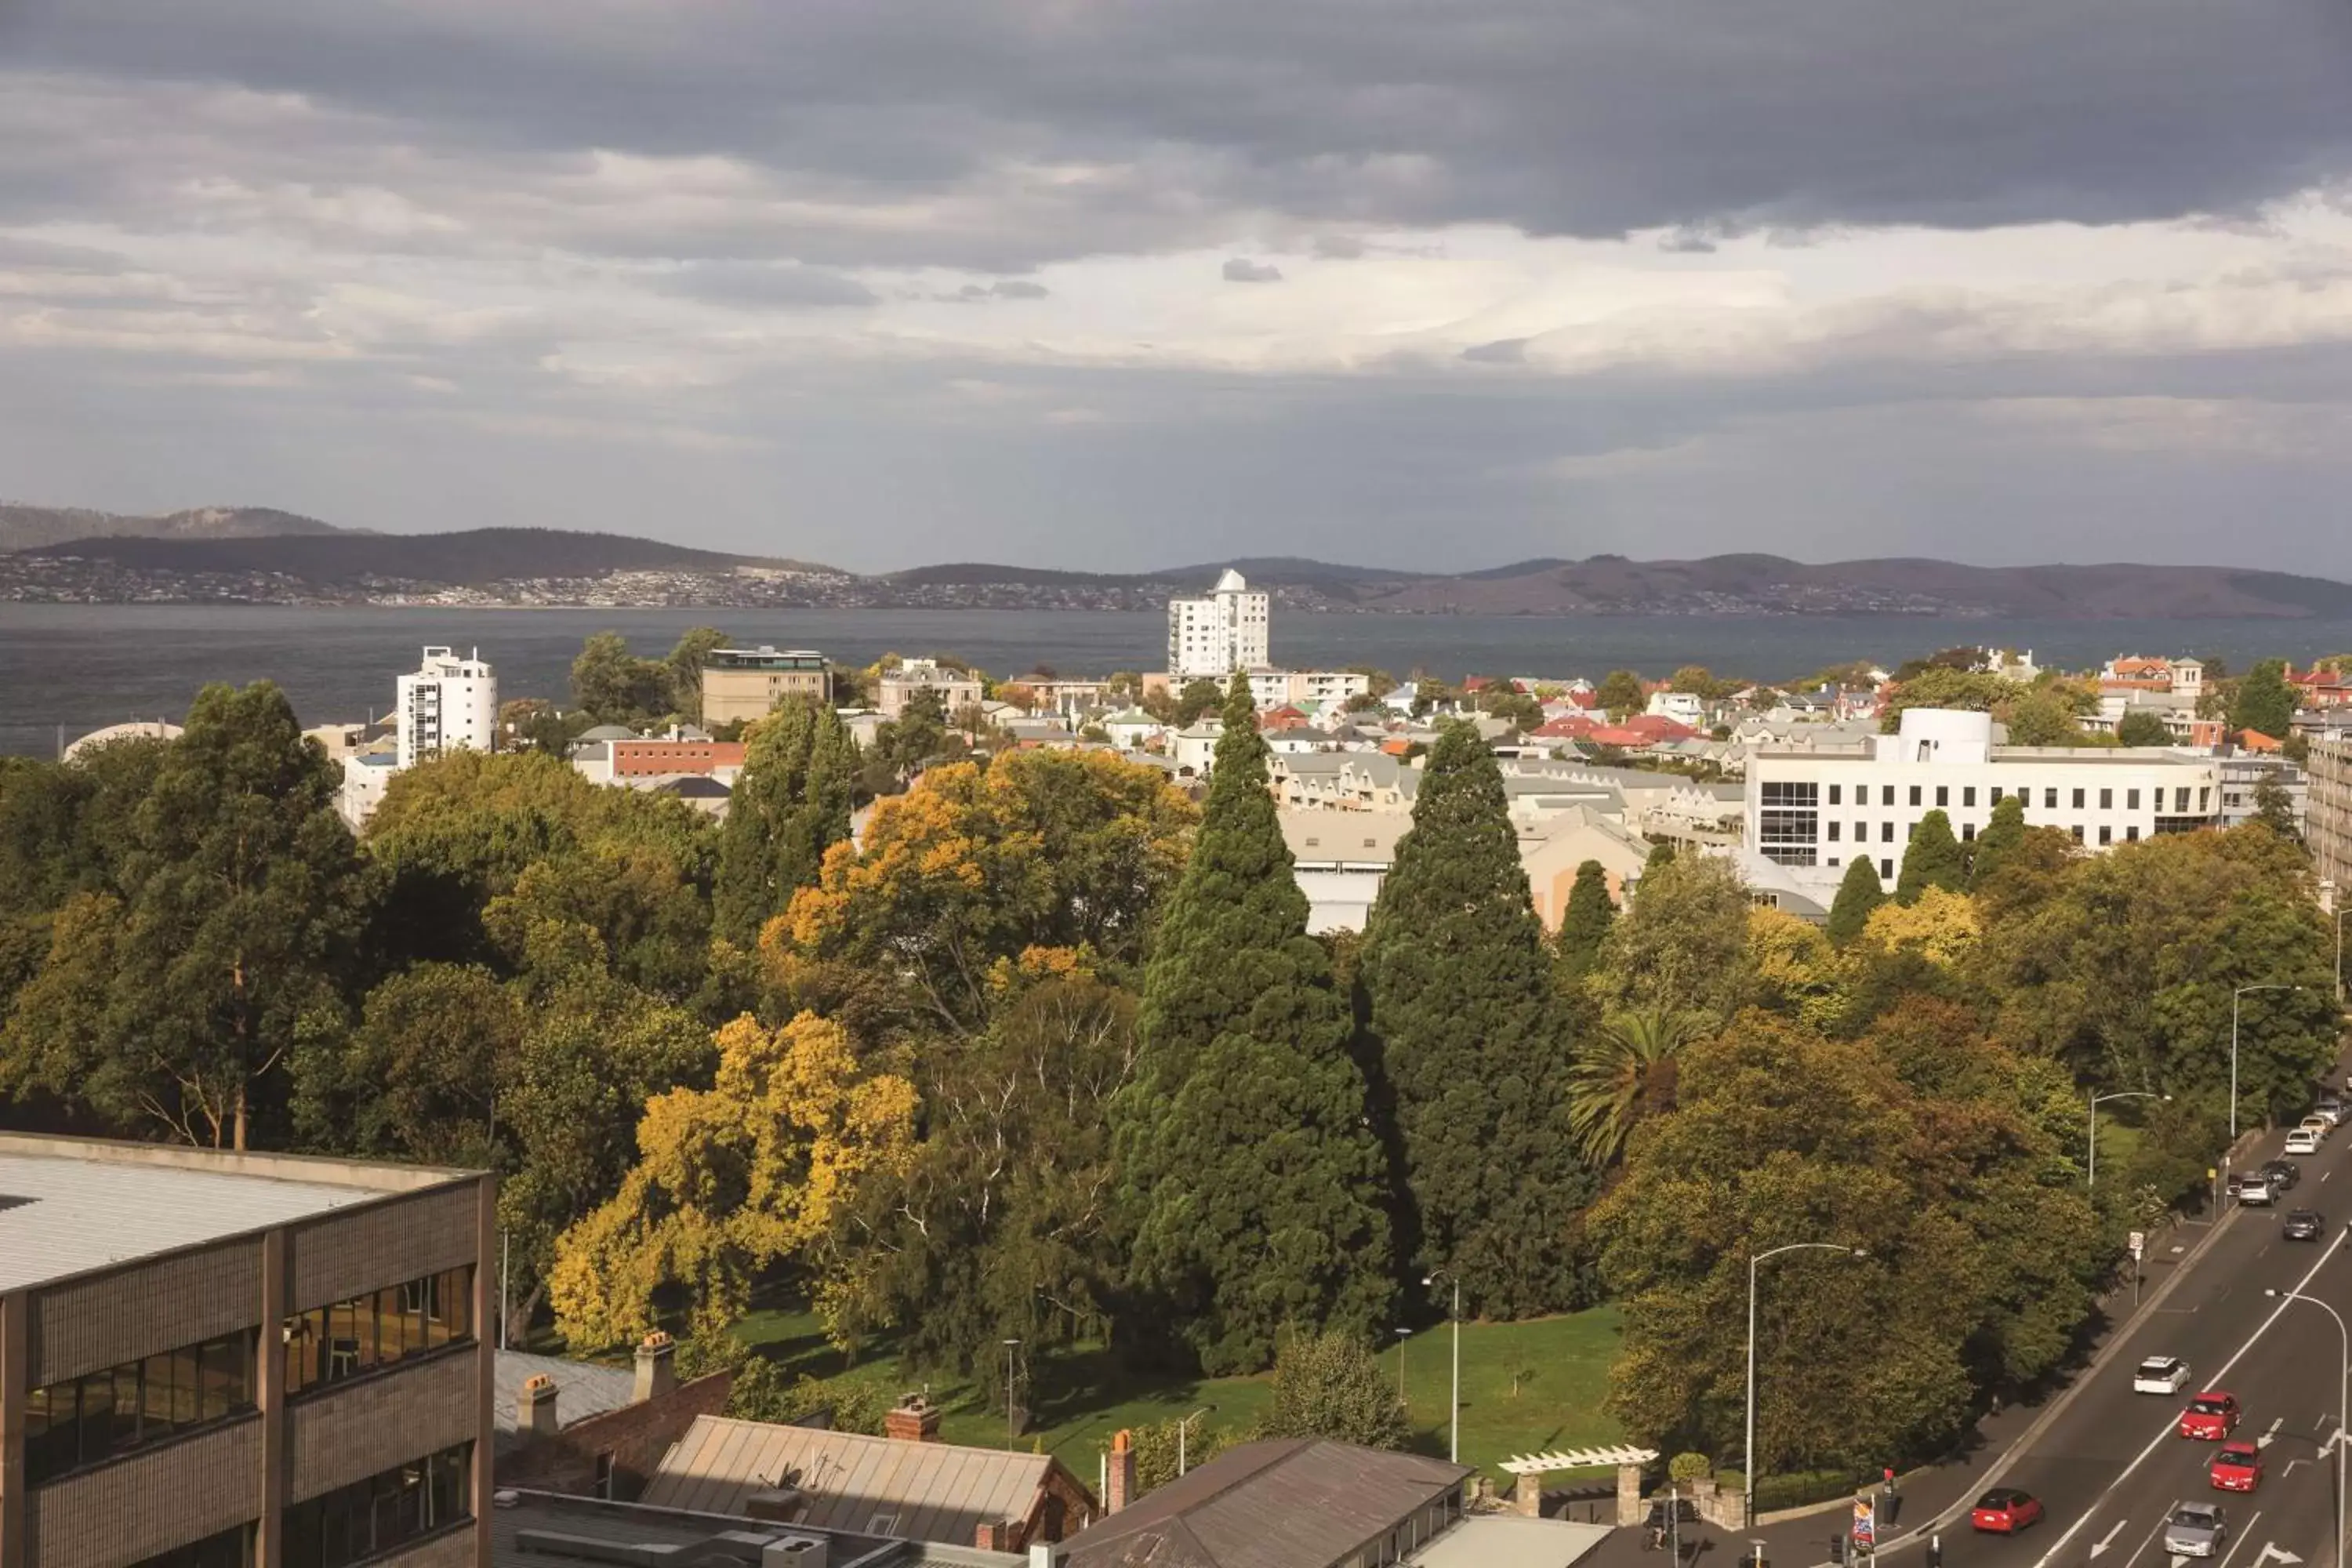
(1211, 637)
(448, 703)
(1811, 809)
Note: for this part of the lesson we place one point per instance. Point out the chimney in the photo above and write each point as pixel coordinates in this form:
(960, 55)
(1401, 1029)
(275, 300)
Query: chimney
(995, 1536)
(914, 1419)
(536, 1419)
(655, 1374)
(1121, 1489)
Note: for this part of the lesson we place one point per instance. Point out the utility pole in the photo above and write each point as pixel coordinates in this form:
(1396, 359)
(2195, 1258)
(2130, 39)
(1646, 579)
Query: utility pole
(1453, 1417)
(1011, 1359)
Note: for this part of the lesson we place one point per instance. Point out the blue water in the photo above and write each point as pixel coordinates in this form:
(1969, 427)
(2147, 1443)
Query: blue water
(75, 668)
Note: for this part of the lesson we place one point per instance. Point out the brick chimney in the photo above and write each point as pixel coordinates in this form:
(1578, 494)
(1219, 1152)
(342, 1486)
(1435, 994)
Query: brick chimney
(1119, 1490)
(656, 1373)
(913, 1419)
(536, 1419)
(997, 1535)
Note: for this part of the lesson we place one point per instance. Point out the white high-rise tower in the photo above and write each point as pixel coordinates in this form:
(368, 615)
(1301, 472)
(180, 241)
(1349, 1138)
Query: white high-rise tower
(450, 702)
(1211, 637)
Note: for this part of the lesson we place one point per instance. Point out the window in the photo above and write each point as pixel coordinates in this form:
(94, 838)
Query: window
(232, 1548)
(1789, 792)
(385, 1510)
(1835, 791)
(1968, 833)
(2078, 800)
(2049, 797)
(1886, 794)
(2077, 831)
(1914, 795)
(89, 1419)
(1886, 831)
(1886, 870)
(1942, 795)
(2205, 799)
(1969, 794)
(1996, 794)
(1785, 835)
(2106, 836)
(347, 1339)
(2131, 834)
(1833, 827)
(2181, 799)
(2106, 800)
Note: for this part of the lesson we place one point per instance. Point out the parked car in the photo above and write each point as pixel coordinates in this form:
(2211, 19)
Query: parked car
(2211, 1416)
(2317, 1123)
(2331, 1110)
(2257, 1188)
(2302, 1141)
(2160, 1375)
(2284, 1174)
(2195, 1530)
(2238, 1468)
(2005, 1510)
(2302, 1225)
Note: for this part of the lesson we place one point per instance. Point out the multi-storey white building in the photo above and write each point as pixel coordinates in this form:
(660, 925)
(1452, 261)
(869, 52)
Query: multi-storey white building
(450, 702)
(1811, 810)
(1211, 637)
(1271, 688)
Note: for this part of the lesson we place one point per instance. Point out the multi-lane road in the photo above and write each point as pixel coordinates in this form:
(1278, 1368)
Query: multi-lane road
(2109, 1468)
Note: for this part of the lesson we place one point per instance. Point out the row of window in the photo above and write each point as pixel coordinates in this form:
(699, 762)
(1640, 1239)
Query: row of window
(1794, 792)
(232, 1548)
(332, 1344)
(390, 1508)
(94, 1418)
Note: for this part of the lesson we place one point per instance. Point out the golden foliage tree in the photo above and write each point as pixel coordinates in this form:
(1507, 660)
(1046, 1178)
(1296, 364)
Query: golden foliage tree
(732, 1180)
(1942, 927)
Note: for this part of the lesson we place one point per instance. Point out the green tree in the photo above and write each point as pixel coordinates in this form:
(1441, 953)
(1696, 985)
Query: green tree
(2138, 727)
(2044, 716)
(1682, 947)
(1584, 924)
(917, 737)
(1198, 698)
(2274, 810)
(1697, 680)
(1248, 1170)
(1327, 1386)
(682, 670)
(419, 1078)
(1661, 854)
(174, 1000)
(1621, 693)
(1859, 893)
(1941, 687)
(1506, 702)
(791, 803)
(1472, 1045)
(2002, 839)
(1624, 1075)
(1932, 859)
(2263, 701)
(616, 687)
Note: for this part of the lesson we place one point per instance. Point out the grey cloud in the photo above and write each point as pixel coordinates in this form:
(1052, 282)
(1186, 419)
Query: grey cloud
(1502, 351)
(1241, 269)
(759, 286)
(1340, 247)
(1687, 242)
(1018, 289)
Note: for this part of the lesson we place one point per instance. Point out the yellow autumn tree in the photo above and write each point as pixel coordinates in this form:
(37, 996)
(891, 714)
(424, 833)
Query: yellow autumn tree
(1942, 927)
(731, 1180)
(1797, 973)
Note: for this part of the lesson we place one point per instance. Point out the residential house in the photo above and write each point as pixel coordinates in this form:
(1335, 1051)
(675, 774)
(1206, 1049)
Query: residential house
(1195, 749)
(1682, 706)
(1130, 729)
(1563, 841)
(2169, 677)
(2320, 686)
(956, 690)
(1339, 859)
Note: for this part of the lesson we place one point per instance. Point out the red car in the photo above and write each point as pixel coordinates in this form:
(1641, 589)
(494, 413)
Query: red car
(2238, 1468)
(2211, 1416)
(2005, 1510)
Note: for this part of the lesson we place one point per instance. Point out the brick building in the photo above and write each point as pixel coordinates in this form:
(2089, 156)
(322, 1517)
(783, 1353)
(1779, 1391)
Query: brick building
(2327, 816)
(746, 682)
(212, 1360)
(595, 1431)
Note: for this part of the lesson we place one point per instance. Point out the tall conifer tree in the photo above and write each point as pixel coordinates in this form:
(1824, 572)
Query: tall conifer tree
(2003, 836)
(1932, 859)
(1584, 926)
(1472, 1046)
(1249, 1173)
(791, 804)
(1860, 893)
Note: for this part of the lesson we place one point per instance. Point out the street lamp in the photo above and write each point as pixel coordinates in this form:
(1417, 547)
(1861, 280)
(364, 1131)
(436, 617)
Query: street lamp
(1180, 1427)
(1748, 1443)
(2343, 1400)
(1011, 1359)
(2240, 991)
(1453, 1416)
(2099, 1100)
(1404, 1337)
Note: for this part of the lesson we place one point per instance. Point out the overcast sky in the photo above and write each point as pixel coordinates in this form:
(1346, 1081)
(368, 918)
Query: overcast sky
(1123, 283)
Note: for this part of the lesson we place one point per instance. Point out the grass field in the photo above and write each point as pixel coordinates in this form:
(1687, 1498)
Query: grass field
(1560, 1366)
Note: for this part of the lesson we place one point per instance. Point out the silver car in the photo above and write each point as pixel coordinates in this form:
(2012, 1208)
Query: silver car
(2195, 1530)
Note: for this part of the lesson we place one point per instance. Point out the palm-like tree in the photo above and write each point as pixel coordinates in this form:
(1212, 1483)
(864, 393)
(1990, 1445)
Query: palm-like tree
(1624, 1075)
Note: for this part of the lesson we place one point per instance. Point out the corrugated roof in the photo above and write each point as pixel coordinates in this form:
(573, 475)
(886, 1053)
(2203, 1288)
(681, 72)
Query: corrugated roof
(1290, 1502)
(582, 1389)
(76, 1214)
(922, 1491)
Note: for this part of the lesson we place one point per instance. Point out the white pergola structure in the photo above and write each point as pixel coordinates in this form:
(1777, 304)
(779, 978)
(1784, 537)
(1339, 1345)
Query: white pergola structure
(1526, 1496)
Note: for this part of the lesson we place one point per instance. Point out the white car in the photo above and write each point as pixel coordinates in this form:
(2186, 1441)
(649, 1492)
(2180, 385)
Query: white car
(2329, 1110)
(2160, 1375)
(2302, 1141)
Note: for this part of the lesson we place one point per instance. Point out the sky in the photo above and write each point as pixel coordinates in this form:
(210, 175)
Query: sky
(1120, 284)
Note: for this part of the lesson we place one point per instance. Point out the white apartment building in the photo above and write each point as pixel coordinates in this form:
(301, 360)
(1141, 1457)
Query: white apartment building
(1211, 637)
(1272, 687)
(448, 703)
(1810, 810)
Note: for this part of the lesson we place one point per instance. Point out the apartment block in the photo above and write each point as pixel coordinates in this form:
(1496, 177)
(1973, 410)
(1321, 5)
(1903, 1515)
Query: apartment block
(2327, 816)
(446, 704)
(746, 682)
(1212, 636)
(212, 1360)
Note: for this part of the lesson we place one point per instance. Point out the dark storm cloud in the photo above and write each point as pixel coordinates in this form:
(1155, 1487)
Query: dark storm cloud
(1590, 119)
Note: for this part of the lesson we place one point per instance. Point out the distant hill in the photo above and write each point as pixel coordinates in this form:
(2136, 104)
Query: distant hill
(466, 559)
(24, 526)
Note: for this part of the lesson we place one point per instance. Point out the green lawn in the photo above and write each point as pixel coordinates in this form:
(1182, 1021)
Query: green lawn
(1083, 1396)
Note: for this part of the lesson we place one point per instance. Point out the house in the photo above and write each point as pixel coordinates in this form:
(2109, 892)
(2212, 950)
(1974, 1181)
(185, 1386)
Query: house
(1339, 859)
(590, 1430)
(1561, 845)
(2320, 688)
(1283, 1503)
(956, 690)
(1343, 781)
(1131, 728)
(1196, 748)
(907, 1485)
(2173, 677)
(1683, 706)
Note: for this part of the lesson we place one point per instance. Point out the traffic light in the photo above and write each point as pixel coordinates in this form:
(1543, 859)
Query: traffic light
(1837, 1547)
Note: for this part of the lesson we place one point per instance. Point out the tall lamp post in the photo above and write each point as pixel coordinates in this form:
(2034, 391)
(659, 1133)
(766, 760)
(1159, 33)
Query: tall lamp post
(1180, 1427)
(1011, 1362)
(2097, 1101)
(1748, 1443)
(1453, 1411)
(2343, 1400)
(2240, 991)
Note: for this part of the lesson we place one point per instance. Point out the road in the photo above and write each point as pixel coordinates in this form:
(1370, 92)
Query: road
(2109, 1468)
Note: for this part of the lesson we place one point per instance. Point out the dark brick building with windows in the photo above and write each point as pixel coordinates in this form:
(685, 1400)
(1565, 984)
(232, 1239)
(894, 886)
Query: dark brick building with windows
(212, 1360)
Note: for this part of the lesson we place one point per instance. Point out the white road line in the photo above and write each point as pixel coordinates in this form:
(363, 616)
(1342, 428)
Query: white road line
(2267, 1438)
(2245, 1533)
(2143, 1545)
(2157, 1441)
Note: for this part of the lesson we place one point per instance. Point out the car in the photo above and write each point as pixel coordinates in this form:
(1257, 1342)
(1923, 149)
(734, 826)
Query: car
(2316, 1123)
(2302, 1225)
(2195, 1530)
(2284, 1174)
(2211, 1416)
(2302, 1141)
(2258, 1188)
(2329, 1110)
(2160, 1375)
(2238, 1468)
(2005, 1510)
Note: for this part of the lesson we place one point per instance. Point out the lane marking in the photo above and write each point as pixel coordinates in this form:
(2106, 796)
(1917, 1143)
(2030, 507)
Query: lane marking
(2151, 1538)
(2170, 1427)
(2273, 1552)
(2240, 1537)
(2108, 1540)
(2289, 1470)
(2267, 1438)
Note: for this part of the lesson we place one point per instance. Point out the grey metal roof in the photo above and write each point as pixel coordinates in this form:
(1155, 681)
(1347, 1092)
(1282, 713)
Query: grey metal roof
(582, 1389)
(534, 1529)
(81, 1214)
(883, 1486)
(1288, 1503)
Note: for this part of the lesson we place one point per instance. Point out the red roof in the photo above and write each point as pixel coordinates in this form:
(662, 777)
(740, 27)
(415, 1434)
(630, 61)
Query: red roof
(1568, 727)
(1283, 718)
(1621, 736)
(1475, 683)
(1659, 728)
(2255, 741)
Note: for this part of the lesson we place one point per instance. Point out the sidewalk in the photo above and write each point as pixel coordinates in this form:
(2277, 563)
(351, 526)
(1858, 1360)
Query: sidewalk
(1929, 1495)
